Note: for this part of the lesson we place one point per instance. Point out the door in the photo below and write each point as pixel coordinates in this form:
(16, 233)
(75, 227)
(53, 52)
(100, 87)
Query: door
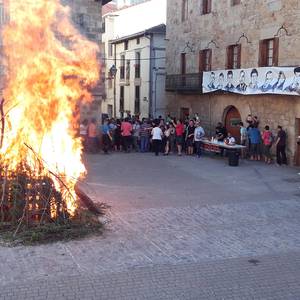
(184, 113)
(183, 69)
(297, 160)
(232, 120)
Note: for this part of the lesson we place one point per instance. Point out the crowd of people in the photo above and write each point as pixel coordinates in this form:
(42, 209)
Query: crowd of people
(169, 136)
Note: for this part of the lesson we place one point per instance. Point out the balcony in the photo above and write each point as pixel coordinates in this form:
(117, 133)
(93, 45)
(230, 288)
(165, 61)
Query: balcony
(187, 83)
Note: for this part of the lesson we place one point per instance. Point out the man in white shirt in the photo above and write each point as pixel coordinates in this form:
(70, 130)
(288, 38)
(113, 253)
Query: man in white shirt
(157, 135)
(198, 136)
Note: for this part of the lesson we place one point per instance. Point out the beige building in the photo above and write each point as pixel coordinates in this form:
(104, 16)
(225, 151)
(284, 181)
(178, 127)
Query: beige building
(208, 35)
(134, 49)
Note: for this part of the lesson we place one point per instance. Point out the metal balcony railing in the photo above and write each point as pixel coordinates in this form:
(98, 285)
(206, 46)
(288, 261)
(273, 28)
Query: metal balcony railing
(187, 83)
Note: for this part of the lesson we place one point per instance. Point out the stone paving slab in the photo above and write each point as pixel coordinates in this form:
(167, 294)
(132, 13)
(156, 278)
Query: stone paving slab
(273, 277)
(185, 229)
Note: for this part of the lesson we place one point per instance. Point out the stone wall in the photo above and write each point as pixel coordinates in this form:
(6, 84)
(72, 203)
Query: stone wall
(225, 25)
(86, 15)
(271, 110)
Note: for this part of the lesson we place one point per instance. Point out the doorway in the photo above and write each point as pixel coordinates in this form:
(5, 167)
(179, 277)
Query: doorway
(232, 120)
(297, 159)
(184, 113)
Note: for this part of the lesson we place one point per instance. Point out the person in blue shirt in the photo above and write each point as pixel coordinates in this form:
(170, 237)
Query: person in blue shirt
(106, 136)
(255, 140)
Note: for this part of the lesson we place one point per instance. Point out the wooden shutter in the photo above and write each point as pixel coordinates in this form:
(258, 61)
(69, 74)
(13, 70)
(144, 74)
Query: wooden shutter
(183, 63)
(229, 62)
(209, 59)
(201, 61)
(275, 51)
(209, 6)
(262, 59)
(239, 56)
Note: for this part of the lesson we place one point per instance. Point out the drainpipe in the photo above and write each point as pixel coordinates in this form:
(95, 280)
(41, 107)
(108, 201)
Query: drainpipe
(115, 96)
(152, 58)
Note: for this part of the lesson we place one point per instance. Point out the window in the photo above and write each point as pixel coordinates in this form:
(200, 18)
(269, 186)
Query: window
(206, 7)
(137, 100)
(235, 2)
(138, 41)
(184, 10)
(183, 63)
(122, 67)
(110, 110)
(121, 98)
(268, 52)
(205, 57)
(234, 57)
(128, 69)
(137, 67)
(103, 26)
(126, 45)
(2, 14)
(109, 79)
(110, 49)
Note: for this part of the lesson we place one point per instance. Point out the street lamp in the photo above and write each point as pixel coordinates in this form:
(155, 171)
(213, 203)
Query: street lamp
(113, 72)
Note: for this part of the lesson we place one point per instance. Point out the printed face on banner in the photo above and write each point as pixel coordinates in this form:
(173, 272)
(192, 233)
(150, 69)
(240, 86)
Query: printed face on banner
(267, 80)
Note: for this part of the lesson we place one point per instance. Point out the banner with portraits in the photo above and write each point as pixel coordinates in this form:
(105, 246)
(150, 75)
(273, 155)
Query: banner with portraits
(266, 80)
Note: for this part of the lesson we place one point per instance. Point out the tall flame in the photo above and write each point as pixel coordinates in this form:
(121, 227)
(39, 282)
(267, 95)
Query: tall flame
(50, 67)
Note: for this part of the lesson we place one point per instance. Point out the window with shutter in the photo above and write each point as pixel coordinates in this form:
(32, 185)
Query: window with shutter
(206, 7)
(234, 57)
(268, 52)
(205, 59)
(235, 2)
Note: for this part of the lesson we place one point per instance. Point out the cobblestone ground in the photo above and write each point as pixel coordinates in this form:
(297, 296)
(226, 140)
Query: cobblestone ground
(181, 228)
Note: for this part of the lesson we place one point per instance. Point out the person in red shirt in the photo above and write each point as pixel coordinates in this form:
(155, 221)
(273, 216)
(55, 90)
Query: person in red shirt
(92, 136)
(179, 129)
(126, 129)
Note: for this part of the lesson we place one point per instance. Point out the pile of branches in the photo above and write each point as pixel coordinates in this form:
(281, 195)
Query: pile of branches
(31, 205)
(29, 199)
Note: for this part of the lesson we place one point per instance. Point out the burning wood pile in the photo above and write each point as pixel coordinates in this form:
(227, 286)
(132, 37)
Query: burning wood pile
(50, 67)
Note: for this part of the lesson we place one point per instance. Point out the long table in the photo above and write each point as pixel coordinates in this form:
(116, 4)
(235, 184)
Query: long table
(216, 147)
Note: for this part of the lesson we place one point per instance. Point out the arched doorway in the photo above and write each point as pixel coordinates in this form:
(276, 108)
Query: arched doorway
(232, 120)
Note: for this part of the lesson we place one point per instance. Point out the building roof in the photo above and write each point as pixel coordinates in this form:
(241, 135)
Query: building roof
(156, 29)
(109, 8)
(103, 1)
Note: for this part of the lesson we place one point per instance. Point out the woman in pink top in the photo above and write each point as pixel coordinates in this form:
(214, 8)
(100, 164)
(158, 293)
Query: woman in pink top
(267, 138)
(92, 137)
(126, 129)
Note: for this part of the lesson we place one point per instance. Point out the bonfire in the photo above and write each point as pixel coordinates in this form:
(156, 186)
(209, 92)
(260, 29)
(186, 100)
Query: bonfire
(50, 68)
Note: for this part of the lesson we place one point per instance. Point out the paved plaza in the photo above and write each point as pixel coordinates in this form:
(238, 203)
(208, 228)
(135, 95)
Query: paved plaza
(180, 228)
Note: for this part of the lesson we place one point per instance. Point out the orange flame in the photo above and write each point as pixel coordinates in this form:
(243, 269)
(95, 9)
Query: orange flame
(50, 67)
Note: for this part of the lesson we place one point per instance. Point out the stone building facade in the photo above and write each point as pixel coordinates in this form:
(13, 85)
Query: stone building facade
(192, 28)
(87, 17)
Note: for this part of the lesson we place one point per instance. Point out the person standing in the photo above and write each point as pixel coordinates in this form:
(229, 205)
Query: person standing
(145, 135)
(92, 136)
(179, 129)
(157, 135)
(106, 136)
(267, 138)
(136, 135)
(190, 137)
(83, 131)
(126, 129)
(255, 139)
(117, 137)
(198, 135)
(243, 137)
(280, 146)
